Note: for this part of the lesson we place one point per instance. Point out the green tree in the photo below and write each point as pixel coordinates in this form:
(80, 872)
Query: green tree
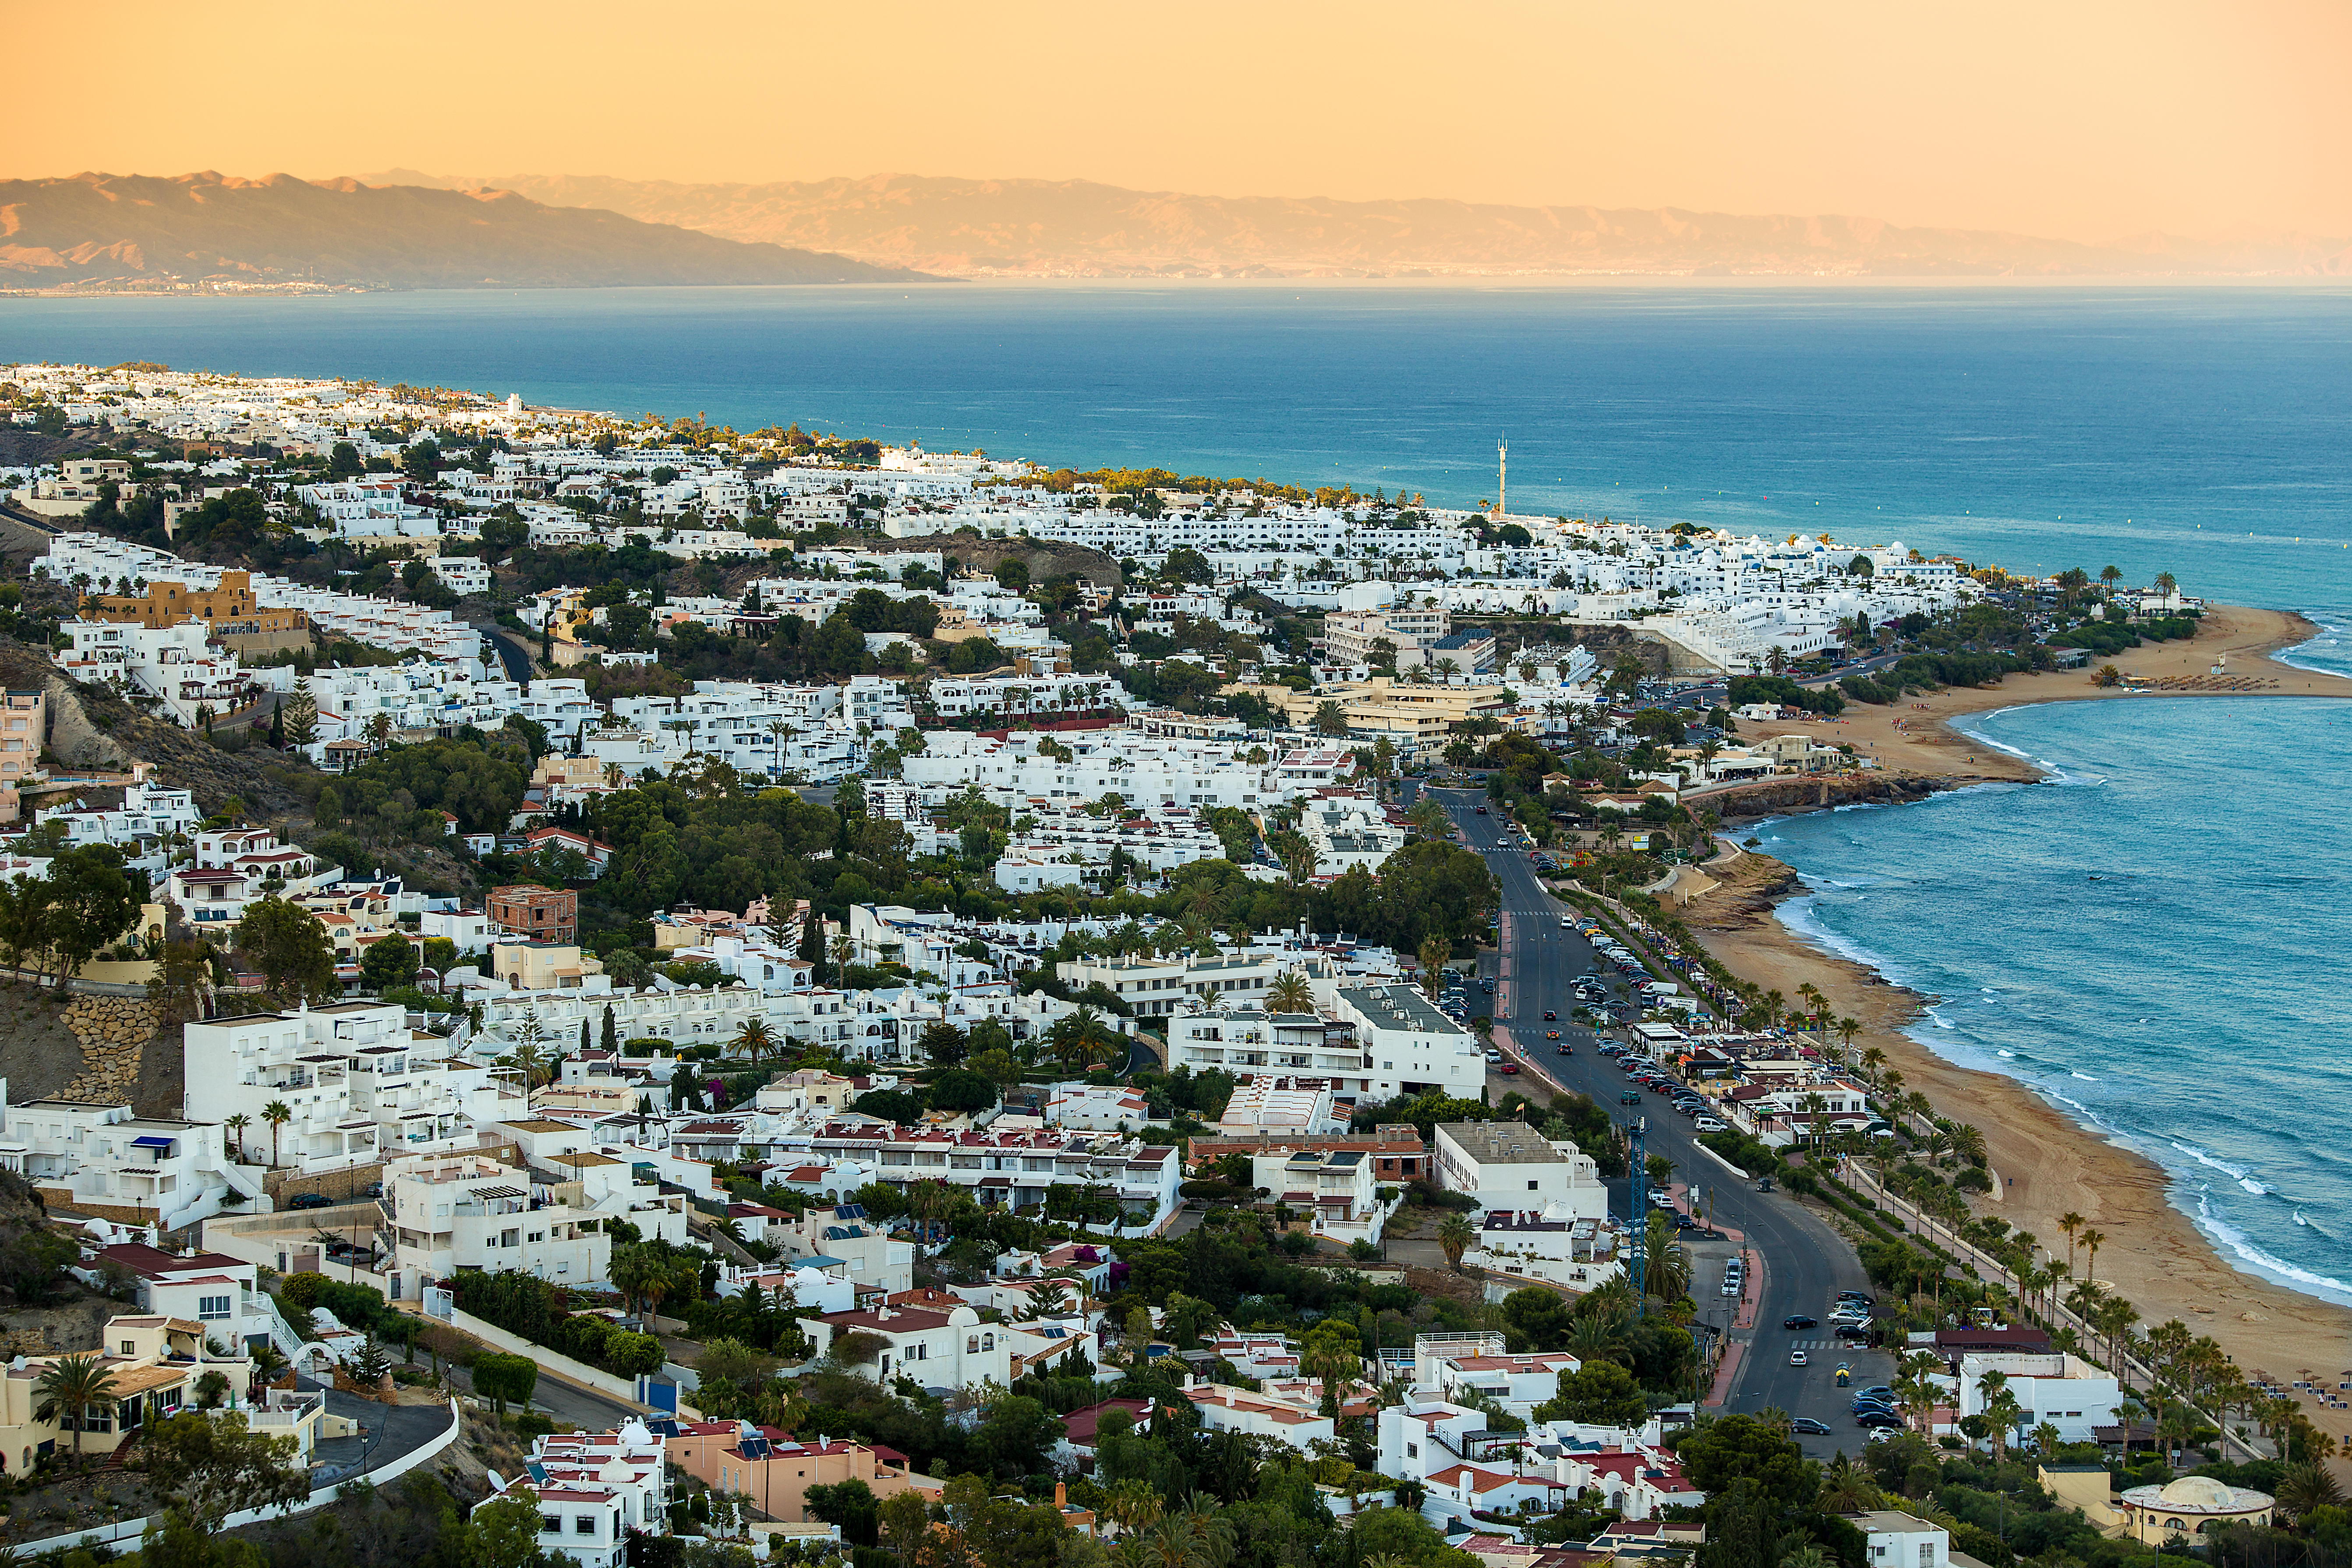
(1600, 1393)
(91, 902)
(505, 1379)
(299, 715)
(504, 1533)
(285, 942)
(388, 961)
(210, 1465)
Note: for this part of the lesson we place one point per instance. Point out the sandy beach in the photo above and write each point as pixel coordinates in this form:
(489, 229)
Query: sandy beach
(1915, 736)
(2049, 1163)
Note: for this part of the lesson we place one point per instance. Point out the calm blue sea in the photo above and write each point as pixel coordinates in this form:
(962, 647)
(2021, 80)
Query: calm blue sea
(2183, 1000)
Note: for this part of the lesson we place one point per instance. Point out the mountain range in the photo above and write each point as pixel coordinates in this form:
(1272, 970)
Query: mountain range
(1073, 227)
(117, 230)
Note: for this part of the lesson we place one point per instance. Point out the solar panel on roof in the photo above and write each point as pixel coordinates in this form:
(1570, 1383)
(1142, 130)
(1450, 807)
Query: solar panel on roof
(849, 1211)
(752, 1447)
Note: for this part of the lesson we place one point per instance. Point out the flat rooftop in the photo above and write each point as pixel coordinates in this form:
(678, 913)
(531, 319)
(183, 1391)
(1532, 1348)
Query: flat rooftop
(1501, 1142)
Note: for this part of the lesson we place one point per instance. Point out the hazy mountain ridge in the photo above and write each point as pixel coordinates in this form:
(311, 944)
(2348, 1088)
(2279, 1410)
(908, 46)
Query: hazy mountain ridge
(98, 229)
(1039, 227)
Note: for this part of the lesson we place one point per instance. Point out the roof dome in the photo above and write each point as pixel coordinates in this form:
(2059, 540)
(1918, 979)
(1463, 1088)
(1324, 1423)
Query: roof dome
(2202, 1494)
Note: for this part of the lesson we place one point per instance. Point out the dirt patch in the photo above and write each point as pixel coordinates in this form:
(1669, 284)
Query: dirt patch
(67, 1328)
(1445, 1282)
(39, 1054)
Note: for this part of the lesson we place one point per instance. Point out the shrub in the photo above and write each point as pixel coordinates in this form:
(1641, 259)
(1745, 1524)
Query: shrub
(297, 1293)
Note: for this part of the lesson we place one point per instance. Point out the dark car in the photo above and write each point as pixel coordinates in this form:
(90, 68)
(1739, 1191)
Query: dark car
(1884, 1419)
(1852, 1333)
(1482, 811)
(1631, 1097)
(311, 1201)
(1799, 1321)
(1876, 1391)
(1808, 1427)
(1566, 1050)
(1549, 1014)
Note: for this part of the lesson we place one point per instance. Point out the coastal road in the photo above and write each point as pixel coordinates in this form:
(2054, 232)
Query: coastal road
(1803, 1264)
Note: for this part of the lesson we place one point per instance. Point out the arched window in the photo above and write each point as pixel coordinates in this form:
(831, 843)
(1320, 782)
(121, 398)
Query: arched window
(988, 1341)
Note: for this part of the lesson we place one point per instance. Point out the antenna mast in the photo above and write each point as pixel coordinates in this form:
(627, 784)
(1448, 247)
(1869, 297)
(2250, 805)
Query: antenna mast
(1503, 477)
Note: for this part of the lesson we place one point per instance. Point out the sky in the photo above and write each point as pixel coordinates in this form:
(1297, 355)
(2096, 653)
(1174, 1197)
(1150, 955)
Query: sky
(2089, 120)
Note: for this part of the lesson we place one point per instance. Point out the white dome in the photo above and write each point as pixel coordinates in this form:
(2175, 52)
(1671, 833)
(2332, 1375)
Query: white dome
(2206, 1494)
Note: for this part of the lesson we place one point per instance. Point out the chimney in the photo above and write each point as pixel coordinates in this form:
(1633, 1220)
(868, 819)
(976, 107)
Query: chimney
(1061, 1494)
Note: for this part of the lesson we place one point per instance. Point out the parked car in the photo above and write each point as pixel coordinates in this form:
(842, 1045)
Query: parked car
(311, 1201)
(1508, 1069)
(1631, 1097)
(1710, 1124)
(1808, 1427)
(1885, 1420)
(1852, 1333)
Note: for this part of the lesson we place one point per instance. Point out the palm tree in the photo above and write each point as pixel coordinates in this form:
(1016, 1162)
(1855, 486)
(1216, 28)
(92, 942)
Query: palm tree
(1846, 1487)
(1600, 1335)
(1135, 1506)
(2307, 1486)
(277, 1113)
(2069, 1222)
(235, 1126)
(1434, 953)
(269, 1364)
(69, 1386)
(2092, 1241)
(753, 1039)
(1456, 1237)
(1290, 993)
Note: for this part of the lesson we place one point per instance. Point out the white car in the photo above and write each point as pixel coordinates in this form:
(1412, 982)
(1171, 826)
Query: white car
(1710, 1124)
(1796, 1358)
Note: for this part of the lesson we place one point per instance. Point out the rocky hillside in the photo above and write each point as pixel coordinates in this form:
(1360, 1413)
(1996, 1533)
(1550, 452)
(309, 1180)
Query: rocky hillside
(113, 228)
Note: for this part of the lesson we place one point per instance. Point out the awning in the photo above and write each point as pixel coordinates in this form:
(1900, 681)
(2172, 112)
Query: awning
(151, 1143)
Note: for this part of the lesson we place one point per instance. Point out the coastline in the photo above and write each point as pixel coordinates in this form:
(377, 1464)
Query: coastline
(1917, 735)
(2050, 1163)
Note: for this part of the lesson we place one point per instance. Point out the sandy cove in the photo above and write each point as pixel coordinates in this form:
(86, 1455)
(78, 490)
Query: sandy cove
(2153, 1255)
(1914, 735)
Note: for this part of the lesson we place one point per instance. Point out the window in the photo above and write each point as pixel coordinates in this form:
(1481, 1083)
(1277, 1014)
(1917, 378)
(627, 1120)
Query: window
(1531, 1186)
(583, 1524)
(550, 1525)
(130, 1347)
(210, 1307)
(1927, 1555)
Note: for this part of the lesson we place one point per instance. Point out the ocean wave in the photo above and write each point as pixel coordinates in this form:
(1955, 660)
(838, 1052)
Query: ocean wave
(2254, 1187)
(2237, 1241)
(2235, 1173)
(2087, 1078)
(2011, 1055)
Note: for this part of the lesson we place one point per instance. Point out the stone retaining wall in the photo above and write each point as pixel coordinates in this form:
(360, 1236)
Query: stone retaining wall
(114, 1032)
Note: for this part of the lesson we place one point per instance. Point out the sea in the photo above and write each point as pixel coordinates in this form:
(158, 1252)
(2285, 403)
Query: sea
(2154, 939)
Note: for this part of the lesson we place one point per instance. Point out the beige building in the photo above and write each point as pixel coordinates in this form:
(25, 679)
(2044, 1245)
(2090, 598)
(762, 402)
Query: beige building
(153, 1362)
(1406, 711)
(233, 614)
(542, 965)
(775, 1474)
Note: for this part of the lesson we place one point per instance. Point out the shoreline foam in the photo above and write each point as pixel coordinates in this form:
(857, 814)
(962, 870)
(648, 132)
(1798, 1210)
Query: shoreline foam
(2170, 1259)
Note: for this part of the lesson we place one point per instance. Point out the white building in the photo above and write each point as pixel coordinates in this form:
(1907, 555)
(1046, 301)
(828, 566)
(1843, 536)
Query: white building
(468, 1211)
(167, 1173)
(942, 1351)
(2065, 1391)
(360, 1087)
(1508, 1166)
(1896, 1540)
(593, 1489)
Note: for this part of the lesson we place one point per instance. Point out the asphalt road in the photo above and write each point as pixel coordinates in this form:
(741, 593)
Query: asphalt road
(1803, 1263)
(582, 1407)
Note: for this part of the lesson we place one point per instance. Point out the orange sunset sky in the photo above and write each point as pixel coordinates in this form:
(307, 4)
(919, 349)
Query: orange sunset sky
(2081, 119)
